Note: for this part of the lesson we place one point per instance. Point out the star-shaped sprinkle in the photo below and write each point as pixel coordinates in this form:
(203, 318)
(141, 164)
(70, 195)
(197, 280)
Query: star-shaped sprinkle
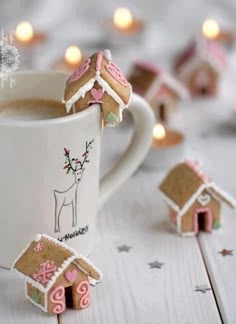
(202, 288)
(225, 252)
(38, 247)
(155, 264)
(124, 248)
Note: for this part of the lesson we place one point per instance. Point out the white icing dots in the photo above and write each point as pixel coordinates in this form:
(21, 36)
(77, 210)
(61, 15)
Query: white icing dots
(37, 237)
(107, 54)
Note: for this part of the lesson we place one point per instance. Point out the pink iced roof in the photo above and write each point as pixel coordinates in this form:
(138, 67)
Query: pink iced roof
(201, 48)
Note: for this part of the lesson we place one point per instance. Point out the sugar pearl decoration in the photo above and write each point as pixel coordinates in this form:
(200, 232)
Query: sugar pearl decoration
(37, 237)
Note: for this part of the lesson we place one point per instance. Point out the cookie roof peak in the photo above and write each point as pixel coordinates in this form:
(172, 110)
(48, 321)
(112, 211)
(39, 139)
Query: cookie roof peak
(47, 252)
(98, 72)
(185, 182)
(200, 50)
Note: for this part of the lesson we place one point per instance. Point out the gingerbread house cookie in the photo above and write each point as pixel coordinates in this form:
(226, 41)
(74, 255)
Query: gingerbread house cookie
(194, 201)
(99, 80)
(159, 88)
(199, 66)
(55, 276)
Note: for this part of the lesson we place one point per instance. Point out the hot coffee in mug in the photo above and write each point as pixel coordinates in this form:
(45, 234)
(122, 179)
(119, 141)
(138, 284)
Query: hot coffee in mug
(49, 167)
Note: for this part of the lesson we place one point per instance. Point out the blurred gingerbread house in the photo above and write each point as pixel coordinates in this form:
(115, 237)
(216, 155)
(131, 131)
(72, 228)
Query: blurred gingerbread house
(55, 276)
(194, 201)
(99, 81)
(199, 66)
(160, 89)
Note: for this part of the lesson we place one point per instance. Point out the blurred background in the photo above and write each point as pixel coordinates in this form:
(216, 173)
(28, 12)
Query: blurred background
(168, 25)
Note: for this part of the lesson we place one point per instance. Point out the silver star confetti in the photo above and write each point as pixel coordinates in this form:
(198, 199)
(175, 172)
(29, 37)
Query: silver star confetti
(225, 252)
(124, 248)
(202, 288)
(155, 264)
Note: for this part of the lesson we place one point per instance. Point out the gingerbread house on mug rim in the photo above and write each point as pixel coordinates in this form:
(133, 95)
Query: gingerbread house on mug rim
(159, 88)
(199, 65)
(99, 80)
(55, 275)
(194, 201)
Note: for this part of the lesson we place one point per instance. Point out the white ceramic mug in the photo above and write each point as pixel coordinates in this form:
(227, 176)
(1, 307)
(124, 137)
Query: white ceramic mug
(36, 194)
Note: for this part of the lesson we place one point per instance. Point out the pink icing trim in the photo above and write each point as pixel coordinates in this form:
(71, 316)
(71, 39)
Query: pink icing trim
(207, 219)
(45, 272)
(80, 71)
(83, 289)
(195, 167)
(148, 67)
(173, 215)
(116, 73)
(99, 61)
(216, 52)
(70, 275)
(38, 247)
(57, 297)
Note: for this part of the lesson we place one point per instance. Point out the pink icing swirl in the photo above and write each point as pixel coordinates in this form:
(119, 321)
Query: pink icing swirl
(83, 289)
(116, 73)
(57, 297)
(80, 71)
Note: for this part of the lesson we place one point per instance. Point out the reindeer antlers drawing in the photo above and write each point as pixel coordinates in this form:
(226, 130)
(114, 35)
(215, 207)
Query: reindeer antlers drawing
(75, 165)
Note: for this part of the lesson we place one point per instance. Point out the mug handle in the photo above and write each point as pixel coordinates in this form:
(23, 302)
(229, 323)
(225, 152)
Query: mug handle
(144, 121)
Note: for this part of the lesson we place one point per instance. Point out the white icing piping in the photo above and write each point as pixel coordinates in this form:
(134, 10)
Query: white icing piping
(222, 193)
(176, 86)
(44, 308)
(110, 91)
(170, 202)
(107, 54)
(192, 199)
(58, 272)
(92, 281)
(178, 223)
(151, 92)
(89, 85)
(60, 269)
(181, 212)
(188, 234)
(80, 93)
(170, 82)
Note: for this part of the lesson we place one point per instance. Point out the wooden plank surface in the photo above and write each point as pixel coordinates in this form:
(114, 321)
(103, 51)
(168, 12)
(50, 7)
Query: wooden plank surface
(222, 269)
(131, 292)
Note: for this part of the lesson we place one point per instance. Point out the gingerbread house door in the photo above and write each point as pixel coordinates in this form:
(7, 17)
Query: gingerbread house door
(202, 219)
(202, 82)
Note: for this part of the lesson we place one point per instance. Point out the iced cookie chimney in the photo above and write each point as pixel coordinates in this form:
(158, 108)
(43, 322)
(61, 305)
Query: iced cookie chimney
(99, 80)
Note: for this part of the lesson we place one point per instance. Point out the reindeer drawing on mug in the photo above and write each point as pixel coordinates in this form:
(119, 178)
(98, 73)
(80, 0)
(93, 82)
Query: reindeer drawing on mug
(69, 196)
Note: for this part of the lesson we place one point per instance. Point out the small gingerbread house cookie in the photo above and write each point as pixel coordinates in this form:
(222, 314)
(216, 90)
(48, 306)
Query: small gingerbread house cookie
(55, 276)
(99, 80)
(160, 89)
(194, 201)
(199, 66)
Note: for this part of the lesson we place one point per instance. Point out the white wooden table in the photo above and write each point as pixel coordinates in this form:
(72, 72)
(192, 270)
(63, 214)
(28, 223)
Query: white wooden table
(131, 291)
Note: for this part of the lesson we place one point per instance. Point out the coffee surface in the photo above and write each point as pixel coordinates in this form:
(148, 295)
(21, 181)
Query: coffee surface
(31, 109)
